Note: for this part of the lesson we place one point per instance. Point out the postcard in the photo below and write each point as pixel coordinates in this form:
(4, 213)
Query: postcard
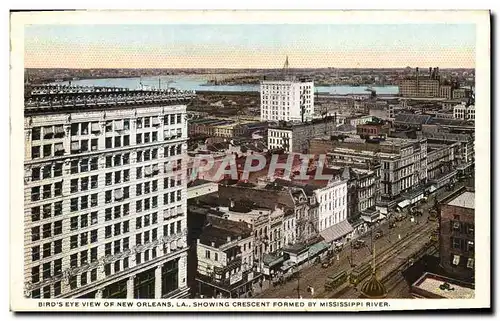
(249, 161)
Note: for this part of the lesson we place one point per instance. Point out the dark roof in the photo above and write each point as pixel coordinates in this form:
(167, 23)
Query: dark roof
(222, 231)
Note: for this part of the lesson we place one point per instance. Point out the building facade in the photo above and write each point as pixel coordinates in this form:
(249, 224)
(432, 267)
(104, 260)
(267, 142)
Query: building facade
(456, 245)
(105, 194)
(464, 112)
(295, 137)
(284, 99)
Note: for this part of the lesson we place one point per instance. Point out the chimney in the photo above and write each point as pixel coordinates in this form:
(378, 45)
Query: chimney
(212, 244)
(229, 239)
(231, 203)
(430, 70)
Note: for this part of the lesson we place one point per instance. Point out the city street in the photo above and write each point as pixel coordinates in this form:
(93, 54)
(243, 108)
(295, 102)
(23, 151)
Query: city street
(315, 275)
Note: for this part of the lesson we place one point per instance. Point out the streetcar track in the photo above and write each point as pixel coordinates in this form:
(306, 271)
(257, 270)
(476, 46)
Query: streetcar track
(403, 245)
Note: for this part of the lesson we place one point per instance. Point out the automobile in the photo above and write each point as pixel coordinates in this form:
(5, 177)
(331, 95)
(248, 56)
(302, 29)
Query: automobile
(379, 234)
(358, 244)
(392, 225)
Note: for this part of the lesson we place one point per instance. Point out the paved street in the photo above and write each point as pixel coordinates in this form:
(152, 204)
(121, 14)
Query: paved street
(316, 276)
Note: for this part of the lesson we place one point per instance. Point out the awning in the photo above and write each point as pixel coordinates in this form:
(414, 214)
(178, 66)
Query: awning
(155, 167)
(58, 147)
(155, 121)
(148, 170)
(59, 129)
(166, 134)
(404, 203)
(95, 127)
(75, 145)
(317, 248)
(166, 214)
(336, 231)
(119, 125)
(271, 260)
(48, 130)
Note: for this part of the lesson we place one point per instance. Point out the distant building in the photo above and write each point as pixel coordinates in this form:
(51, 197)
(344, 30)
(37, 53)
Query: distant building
(461, 93)
(456, 241)
(464, 112)
(421, 85)
(295, 137)
(403, 162)
(373, 129)
(284, 99)
(445, 91)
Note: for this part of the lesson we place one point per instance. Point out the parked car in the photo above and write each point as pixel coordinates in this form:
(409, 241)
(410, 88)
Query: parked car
(379, 234)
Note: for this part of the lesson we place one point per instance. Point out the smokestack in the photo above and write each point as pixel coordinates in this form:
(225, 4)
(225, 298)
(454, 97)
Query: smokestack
(430, 70)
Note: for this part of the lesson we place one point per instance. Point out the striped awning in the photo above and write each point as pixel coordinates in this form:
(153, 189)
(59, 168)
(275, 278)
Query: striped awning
(95, 127)
(59, 129)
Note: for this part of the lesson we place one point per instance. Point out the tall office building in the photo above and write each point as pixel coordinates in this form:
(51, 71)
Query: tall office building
(283, 99)
(105, 193)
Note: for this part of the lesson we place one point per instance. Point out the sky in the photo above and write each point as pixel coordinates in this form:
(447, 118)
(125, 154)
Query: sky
(250, 46)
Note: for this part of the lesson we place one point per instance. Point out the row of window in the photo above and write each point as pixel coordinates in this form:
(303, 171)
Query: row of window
(116, 229)
(82, 202)
(47, 150)
(46, 230)
(84, 183)
(46, 250)
(47, 132)
(117, 211)
(83, 239)
(82, 221)
(146, 220)
(46, 211)
(119, 177)
(46, 171)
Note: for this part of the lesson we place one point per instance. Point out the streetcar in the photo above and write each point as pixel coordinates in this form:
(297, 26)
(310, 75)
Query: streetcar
(336, 280)
(359, 273)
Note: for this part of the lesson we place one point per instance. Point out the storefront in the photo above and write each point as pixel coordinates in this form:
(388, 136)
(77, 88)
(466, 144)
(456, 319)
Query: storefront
(337, 233)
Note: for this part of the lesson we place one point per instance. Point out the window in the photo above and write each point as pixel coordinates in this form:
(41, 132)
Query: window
(46, 271)
(74, 223)
(35, 214)
(73, 242)
(35, 193)
(83, 279)
(84, 238)
(35, 173)
(74, 167)
(138, 138)
(93, 144)
(35, 253)
(107, 233)
(84, 257)
(47, 230)
(35, 233)
(57, 246)
(107, 249)
(35, 152)
(93, 236)
(109, 142)
(47, 210)
(58, 267)
(207, 254)
(58, 169)
(47, 150)
(93, 275)
(57, 227)
(216, 256)
(93, 254)
(35, 133)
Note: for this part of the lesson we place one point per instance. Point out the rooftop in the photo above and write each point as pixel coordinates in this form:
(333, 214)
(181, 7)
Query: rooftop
(222, 231)
(444, 287)
(46, 99)
(465, 199)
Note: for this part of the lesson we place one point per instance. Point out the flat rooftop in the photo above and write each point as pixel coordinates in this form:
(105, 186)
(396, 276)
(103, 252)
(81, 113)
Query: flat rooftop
(465, 199)
(432, 283)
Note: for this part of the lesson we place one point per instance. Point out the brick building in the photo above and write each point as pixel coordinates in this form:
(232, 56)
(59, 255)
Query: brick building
(457, 234)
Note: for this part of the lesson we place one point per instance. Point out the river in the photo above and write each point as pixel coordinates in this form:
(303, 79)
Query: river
(197, 83)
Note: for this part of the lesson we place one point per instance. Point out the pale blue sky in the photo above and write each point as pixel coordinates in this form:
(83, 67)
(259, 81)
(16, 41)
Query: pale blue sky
(131, 43)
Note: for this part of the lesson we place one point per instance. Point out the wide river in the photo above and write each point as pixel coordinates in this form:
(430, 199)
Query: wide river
(196, 82)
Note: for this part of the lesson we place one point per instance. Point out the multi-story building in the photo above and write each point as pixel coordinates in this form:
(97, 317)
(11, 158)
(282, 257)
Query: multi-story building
(403, 161)
(445, 91)
(105, 193)
(441, 165)
(225, 259)
(374, 129)
(420, 85)
(464, 112)
(456, 241)
(295, 137)
(288, 100)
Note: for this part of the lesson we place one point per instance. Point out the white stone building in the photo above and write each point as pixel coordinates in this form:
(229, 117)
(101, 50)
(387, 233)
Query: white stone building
(464, 112)
(282, 100)
(104, 214)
